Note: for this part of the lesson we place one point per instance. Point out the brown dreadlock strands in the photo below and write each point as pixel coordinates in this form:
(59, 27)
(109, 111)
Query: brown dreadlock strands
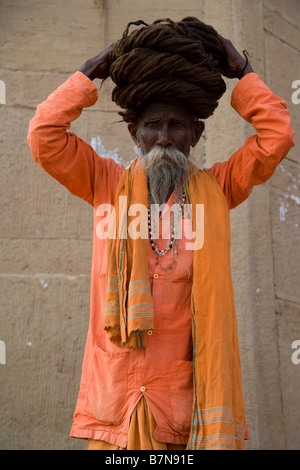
(167, 61)
(246, 55)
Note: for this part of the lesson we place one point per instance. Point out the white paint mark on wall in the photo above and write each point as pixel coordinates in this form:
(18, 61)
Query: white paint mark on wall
(295, 198)
(282, 211)
(44, 283)
(97, 145)
(283, 207)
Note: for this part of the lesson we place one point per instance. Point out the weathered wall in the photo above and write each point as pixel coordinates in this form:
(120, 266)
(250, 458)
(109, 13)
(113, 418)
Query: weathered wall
(45, 232)
(282, 67)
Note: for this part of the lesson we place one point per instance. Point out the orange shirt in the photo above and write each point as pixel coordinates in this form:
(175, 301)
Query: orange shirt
(113, 380)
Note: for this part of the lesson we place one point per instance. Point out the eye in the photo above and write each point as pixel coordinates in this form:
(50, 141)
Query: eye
(152, 124)
(178, 125)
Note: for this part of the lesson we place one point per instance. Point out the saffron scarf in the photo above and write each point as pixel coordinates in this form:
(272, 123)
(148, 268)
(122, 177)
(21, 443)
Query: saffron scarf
(218, 417)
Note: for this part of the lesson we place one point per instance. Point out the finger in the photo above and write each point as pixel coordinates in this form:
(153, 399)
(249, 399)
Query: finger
(226, 43)
(222, 39)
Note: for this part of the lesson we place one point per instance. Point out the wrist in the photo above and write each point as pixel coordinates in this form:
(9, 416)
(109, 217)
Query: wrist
(247, 67)
(245, 71)
(88, 70)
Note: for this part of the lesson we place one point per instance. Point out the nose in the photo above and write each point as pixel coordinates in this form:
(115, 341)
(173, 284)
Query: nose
(164, 136)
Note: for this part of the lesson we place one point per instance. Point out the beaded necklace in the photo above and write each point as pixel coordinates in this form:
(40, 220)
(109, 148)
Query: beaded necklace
(170, 243)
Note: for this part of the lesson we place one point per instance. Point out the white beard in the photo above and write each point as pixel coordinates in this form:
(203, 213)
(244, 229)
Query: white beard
(167, 169)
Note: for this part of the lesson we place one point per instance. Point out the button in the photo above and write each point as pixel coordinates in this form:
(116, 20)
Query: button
(156, 276)
(142, 389)
(150, 332)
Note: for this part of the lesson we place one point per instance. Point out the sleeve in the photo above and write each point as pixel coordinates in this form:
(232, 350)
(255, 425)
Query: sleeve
(66, 157)
(255, 162)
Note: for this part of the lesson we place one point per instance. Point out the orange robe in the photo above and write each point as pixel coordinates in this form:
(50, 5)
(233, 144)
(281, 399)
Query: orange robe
(114, 380)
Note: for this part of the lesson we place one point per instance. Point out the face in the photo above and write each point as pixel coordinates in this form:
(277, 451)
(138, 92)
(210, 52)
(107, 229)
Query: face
(166, 125)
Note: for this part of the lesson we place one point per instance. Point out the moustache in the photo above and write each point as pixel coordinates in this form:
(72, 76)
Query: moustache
(162, 156)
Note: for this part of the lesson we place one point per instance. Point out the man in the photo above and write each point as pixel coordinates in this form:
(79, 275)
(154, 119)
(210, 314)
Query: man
(161, 367)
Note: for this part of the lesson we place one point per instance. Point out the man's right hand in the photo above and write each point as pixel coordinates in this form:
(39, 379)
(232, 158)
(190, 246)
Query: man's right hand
(98, 66)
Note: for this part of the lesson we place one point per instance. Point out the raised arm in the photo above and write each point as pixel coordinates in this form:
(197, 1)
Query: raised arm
(66, 157)
(255, 162)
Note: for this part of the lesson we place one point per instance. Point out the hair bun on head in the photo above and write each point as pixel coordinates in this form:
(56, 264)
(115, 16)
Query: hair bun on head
(176, 62)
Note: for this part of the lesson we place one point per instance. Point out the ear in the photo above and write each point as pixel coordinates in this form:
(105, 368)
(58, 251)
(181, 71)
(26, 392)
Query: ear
(133, 127)
(198, 128)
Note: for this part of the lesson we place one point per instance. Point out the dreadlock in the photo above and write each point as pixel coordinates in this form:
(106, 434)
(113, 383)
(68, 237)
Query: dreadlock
(170, 62)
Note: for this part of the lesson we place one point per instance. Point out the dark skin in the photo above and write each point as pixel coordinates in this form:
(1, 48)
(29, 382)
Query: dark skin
(163, 124)
(235, 62)
(168, 126)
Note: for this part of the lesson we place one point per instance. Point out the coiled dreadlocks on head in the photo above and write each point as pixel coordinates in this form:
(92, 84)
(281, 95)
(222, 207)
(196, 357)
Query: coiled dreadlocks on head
(170, 62)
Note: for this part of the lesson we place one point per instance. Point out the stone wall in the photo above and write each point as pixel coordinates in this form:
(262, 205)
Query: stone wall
(45, 232)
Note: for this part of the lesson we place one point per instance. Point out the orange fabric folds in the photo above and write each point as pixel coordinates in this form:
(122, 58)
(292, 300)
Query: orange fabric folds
(218, 418)
(140, 435)
(128, 310)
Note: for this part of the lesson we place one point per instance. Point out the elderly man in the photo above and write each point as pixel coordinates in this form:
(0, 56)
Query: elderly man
(161, 368)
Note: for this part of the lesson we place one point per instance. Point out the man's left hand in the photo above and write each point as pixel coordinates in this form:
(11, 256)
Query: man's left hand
(235, 65)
